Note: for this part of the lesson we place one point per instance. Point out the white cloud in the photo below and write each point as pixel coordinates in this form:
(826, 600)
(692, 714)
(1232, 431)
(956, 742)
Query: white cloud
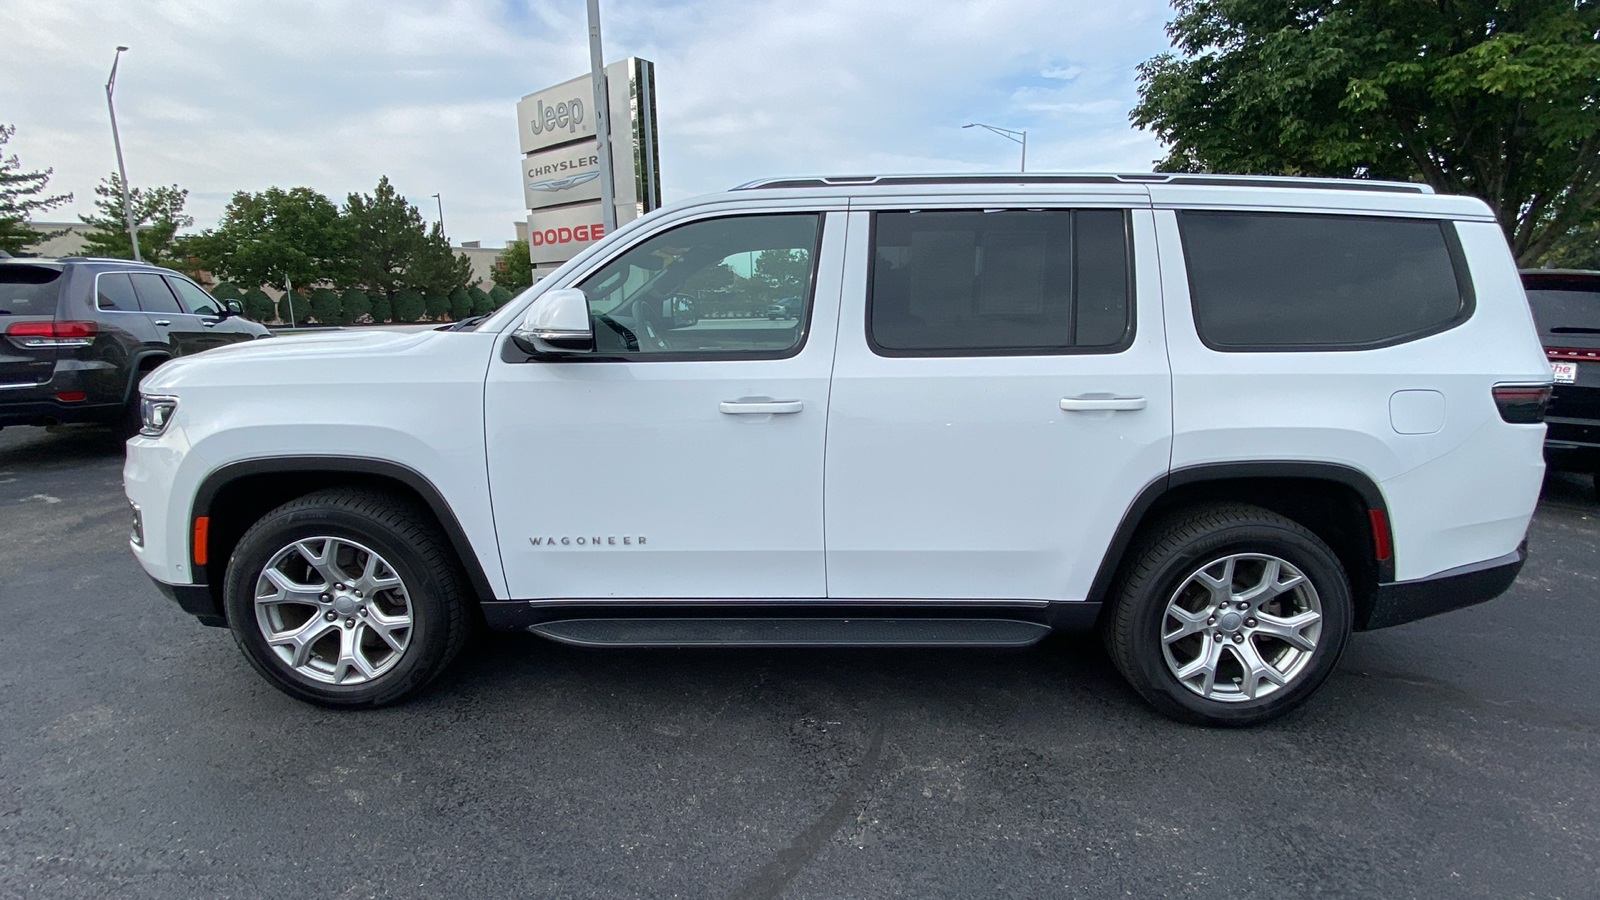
(221, 96)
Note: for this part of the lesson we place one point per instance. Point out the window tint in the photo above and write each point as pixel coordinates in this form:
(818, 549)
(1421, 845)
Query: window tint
(737, 286)
(194, 299)
(1003, 281)
(154, 297)
(1560, 312)
(28, 290)
(116, 292)
(1280, 281)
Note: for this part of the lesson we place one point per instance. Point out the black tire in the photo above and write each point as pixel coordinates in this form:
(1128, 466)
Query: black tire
(409, 542)
(1200, 539)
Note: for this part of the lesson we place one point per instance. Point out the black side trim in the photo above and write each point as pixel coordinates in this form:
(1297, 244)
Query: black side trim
(357, 465)
(518, 615)
(1354, 479)
(1399, 602)
(194, 599)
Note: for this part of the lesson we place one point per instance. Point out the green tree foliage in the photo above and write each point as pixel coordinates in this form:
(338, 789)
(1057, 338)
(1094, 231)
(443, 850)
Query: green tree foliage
(409, 305)
(481, 303)
(264, 238)
(226, 291)
(499, 296)
(783, 273)
(390, 247)
(22, 194)
(1496, 99)
(460, 304)
(326, 306)
(436, 304)
(353, 304)
(513, 270)
(157, 215)
(301, 308)
(258, 306)
(381, 308)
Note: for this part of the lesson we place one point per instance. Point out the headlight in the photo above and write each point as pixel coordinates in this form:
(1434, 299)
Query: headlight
(155, 413)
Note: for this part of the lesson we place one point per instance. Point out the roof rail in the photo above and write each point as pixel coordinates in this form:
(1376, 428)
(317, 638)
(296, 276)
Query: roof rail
(108, 259)
(1269, 181)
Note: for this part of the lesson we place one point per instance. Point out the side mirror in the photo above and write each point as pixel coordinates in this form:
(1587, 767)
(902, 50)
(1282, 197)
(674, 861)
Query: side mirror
(678, 311)
(234, 307)
(557, 323)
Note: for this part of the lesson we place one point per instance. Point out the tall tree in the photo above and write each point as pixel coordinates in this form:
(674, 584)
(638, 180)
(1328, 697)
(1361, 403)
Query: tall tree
(1496, 98)
(513, 270)
(157, 214)
(390, 248)
(435, 269)
(263, 238)
(22, 194)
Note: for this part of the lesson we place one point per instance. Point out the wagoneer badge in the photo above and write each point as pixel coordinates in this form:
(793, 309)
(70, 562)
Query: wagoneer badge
(610, 540)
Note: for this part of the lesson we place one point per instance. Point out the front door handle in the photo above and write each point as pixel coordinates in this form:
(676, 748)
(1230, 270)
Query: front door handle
(210, 323)
(759, 407)
(1092, 404)
(163, 322)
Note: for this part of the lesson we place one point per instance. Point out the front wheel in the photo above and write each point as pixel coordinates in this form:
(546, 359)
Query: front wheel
(346, 598)
(1229, 615)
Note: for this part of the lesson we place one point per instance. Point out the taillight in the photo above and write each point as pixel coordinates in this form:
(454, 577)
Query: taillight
(1522, 404)
(42, 335)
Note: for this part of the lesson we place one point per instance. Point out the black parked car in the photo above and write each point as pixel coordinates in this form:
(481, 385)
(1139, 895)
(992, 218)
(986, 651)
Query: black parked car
(78, 334)
(1566, 305)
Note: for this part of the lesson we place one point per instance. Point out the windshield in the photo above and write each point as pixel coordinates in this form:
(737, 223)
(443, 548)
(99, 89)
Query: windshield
(28, 290)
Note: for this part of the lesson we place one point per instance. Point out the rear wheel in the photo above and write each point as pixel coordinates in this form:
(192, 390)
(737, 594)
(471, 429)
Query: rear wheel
(346, 598)
(1229, 615)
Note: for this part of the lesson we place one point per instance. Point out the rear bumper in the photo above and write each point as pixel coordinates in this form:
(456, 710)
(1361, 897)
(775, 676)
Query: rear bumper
(1400, 602)
(53, 412)
(194, 599)
(36, 404)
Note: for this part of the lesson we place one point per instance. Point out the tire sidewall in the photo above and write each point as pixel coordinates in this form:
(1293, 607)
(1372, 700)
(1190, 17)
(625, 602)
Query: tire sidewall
(278, 530)
(1308, 555)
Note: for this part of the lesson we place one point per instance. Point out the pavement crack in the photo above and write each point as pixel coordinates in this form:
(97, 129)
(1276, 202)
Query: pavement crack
(777, 872)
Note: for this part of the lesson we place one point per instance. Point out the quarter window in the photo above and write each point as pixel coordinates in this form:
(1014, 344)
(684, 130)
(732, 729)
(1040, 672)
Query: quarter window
(736, 287)
(1283, 281)
(973, 283)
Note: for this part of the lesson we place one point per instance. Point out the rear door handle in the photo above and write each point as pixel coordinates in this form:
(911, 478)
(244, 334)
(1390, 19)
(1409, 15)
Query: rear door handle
(163, 322)
(759, 407)
(1091, 404)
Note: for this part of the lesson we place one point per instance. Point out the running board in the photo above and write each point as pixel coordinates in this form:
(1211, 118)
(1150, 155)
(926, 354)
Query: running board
(792, 632)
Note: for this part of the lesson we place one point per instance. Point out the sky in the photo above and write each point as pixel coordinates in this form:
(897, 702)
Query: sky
(219, 96)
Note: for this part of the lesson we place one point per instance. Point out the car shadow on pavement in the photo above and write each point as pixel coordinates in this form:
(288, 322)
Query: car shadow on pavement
(58, 445)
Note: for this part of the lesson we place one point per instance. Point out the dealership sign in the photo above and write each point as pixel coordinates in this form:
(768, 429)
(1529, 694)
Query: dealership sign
(560, 164)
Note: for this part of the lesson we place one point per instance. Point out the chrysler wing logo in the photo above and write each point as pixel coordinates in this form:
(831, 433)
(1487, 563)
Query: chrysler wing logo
(561, 184)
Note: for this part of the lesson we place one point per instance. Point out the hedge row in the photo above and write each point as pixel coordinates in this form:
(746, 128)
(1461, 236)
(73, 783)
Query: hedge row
(325, 306)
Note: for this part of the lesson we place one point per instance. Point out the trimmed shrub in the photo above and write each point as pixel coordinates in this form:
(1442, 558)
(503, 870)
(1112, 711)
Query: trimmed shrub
(353, 304)
(460, 304)
(408, 305)
(325, 305)
(499, 296)
(302, 309)
(436, 304)
(382, 309)
(258, 306)
(226, 291)
(481, 304)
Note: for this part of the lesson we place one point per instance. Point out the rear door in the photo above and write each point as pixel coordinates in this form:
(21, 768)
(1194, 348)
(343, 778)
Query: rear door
(161, 309)
(1000, 396)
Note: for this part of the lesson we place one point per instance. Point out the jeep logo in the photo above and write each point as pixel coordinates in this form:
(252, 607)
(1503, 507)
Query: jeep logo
(568, 115)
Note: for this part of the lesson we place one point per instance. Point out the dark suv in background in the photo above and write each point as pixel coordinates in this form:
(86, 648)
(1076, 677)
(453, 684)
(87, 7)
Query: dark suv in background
(1566, 306)
(78, 334)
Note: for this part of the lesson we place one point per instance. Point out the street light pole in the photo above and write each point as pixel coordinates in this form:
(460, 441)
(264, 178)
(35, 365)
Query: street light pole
(441, 218)
(602, 122)
(122, 171)
(1020, 137)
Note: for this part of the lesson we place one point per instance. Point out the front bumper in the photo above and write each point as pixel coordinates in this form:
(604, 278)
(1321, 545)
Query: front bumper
(1400, 602)
(194, 599)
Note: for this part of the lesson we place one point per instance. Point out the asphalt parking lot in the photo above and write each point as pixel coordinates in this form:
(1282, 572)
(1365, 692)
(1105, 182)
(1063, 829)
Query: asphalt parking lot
(140, 756)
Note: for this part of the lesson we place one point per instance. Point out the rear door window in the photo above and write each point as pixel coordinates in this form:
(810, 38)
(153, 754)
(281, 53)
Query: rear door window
(1284, 281)
(115, 292)
(28, 290)
(154, 295)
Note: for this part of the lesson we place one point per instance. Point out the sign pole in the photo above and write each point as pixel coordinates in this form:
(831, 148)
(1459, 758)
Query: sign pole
(602, 122)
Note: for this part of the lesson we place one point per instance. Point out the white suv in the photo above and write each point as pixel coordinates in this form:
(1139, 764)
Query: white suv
(1226, 421)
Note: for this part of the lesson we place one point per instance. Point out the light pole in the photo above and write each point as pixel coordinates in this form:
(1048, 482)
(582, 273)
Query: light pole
(122, 171)
(1020, 137)
(441, 218)
(602, 122)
